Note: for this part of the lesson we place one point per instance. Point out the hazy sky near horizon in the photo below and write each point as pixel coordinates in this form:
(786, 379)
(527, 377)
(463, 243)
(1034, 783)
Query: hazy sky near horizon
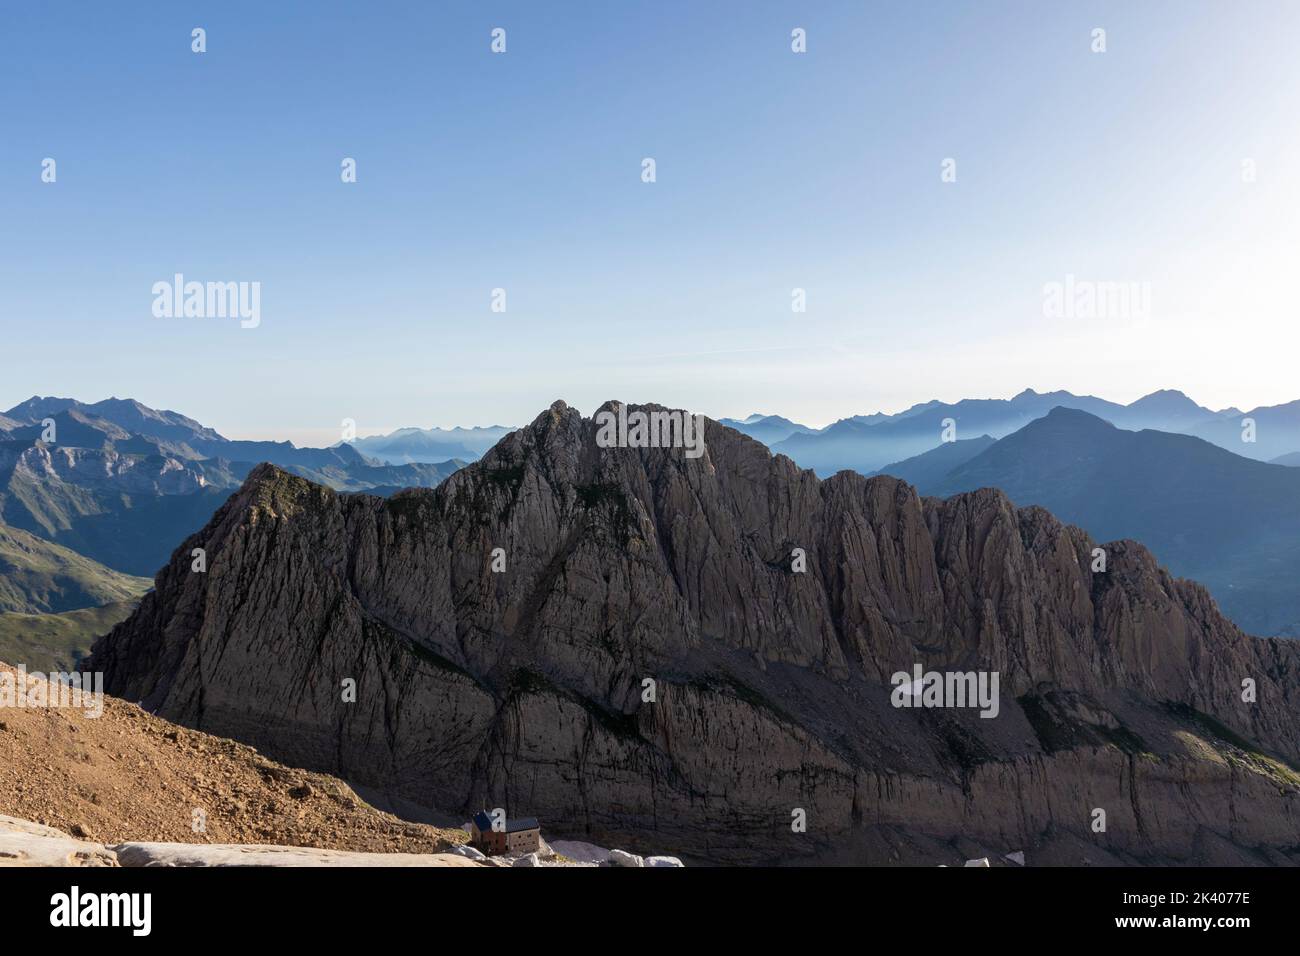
(522, 171)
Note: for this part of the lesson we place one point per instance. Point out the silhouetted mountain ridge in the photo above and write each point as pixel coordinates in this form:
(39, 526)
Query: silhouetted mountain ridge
(121, 483)
(1232, 523)
(867, 443)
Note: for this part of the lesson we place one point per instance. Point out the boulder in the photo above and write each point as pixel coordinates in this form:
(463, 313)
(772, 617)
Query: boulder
(663, 861)
(623, 858)
(235, 854)
(31, 844)
(532, 859)
(580, 852)
(982, 861)
(469, 853)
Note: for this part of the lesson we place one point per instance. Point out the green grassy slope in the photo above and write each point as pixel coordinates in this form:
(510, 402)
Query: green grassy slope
(38, 577)
(56, 642)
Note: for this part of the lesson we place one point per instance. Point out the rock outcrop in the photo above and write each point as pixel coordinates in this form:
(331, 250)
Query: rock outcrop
(97, 470)
(240, 854)
(23, 843)
(527, 687)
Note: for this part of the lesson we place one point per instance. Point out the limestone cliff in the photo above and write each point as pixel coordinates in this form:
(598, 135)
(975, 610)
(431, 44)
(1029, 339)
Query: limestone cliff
(1120, 690)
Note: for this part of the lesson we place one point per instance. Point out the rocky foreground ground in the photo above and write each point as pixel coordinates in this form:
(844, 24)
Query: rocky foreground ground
(128, 776)
(23, 843)
(131, 789)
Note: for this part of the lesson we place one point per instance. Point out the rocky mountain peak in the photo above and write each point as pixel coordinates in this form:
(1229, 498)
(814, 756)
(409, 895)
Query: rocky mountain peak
(500, 631)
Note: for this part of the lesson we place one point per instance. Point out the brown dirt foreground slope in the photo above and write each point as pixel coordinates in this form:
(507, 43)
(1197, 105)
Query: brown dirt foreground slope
(129, 776)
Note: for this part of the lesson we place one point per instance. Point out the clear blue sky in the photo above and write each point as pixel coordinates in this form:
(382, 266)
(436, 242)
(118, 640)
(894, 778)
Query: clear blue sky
(522, 171)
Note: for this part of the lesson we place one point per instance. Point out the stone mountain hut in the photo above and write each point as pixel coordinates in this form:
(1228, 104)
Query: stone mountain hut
(521, 835)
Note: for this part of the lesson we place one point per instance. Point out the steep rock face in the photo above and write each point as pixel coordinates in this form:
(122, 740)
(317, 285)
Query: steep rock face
(525, 688)
(99, 469)
(121, 509)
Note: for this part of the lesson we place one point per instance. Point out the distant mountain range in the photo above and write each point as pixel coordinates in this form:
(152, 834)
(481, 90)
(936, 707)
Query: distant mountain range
(136, 429)
(121, 483)
(1230, 522)
(1276, 429)
(866, 443)
(769, 429)
(415, 445)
